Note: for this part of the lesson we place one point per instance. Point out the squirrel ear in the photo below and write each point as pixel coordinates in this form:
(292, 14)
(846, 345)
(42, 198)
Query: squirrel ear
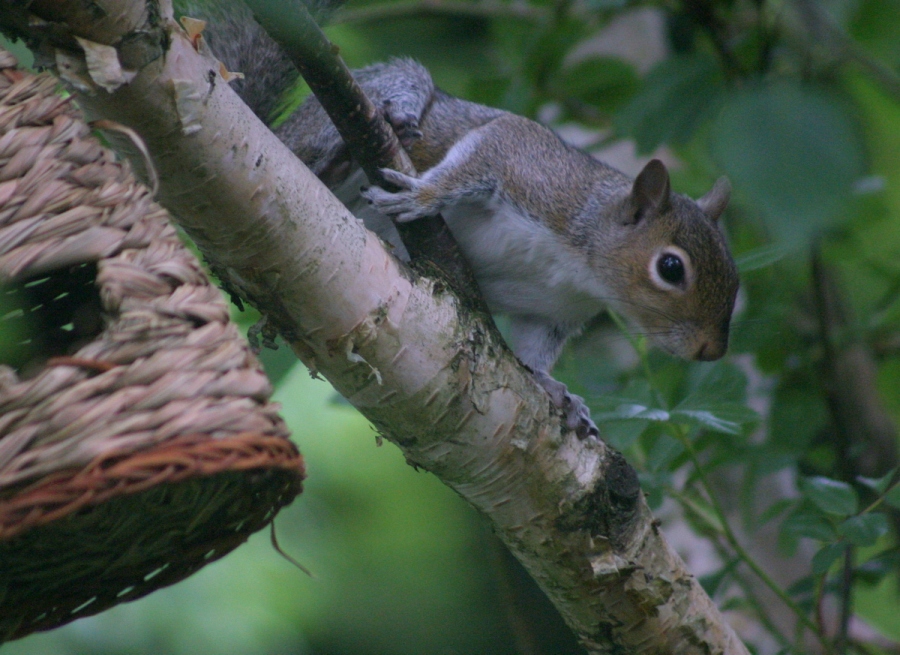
(651, 189)
(714, 202)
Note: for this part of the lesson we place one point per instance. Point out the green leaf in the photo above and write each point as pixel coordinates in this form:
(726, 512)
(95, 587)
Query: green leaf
(701, 514)
(865, 529)
(773, 461)
(735, 603)
(715, 383)
(830, 496)
(602, 82)
(878, 485)
(627, 411)
(716, 401)
(806, 523)
(621, 435)
(804, 587)
(889, 316)
(626, 417)
(873, 571)
(774, 510)
(707, 419)
(876, 26)
(797, 414)
(546, 53)
(605, 5)
(794, 151)
(487, 88)
(654, 485)
(712, 582)
(726, 417)
(678, 96)
(892, 497)
(826, 556)
(761, 257)
(663, 452)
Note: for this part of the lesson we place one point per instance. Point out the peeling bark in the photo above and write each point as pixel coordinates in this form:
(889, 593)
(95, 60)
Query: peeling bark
(431, 376)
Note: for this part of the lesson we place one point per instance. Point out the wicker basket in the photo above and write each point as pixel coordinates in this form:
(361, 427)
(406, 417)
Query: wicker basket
(137, 443)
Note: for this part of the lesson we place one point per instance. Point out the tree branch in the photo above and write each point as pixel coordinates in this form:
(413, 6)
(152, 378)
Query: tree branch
(369, 138)
(431, 378)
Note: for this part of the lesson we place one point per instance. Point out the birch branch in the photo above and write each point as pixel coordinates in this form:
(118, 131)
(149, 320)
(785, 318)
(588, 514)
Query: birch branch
(430, 376)
(369, 138)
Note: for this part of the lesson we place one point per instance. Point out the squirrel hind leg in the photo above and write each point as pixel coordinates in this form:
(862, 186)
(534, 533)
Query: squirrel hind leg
(538, 343)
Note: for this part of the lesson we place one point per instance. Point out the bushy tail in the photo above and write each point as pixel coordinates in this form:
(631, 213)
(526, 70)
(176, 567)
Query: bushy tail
(243, 46)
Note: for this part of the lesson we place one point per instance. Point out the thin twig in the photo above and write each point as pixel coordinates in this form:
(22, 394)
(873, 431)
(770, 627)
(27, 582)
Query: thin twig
(750, 596)
(278, 549)
(361, 125)
(842, 638)
(739, 550)
(704, 14)
(821, 26)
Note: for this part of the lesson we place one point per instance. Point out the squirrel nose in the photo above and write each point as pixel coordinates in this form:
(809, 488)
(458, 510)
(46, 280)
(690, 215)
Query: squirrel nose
(710, 350)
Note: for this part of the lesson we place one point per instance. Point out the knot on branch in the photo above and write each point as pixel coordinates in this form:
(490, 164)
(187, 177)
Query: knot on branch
(610, 510)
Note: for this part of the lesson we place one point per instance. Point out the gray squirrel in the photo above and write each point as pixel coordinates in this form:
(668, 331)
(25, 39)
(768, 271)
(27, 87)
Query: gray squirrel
(554, 236)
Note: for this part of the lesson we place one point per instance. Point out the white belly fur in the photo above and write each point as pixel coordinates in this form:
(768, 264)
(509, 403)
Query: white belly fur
(523, 267)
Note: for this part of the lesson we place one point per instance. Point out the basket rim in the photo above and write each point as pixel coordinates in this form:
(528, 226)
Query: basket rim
(111, 474)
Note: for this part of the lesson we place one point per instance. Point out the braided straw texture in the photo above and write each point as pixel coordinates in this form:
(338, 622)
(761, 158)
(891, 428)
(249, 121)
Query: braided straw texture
(137, 442)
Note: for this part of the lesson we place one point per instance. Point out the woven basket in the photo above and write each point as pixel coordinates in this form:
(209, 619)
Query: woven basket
(137, 443)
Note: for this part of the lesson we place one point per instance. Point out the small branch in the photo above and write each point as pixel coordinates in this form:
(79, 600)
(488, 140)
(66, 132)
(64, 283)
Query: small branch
(751, 596)
(849, 379)
(857, 415)
(739, 549)
(767, 37)
(703, 12)
(846, 595)
(362, 126)
(821, 28)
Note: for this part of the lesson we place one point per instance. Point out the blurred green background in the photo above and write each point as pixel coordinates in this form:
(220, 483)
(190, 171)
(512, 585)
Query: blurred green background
(798, 102)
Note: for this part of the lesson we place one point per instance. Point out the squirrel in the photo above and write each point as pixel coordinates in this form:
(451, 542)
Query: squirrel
(554, 236)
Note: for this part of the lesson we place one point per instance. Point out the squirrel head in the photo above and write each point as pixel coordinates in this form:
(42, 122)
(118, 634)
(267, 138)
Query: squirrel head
(673, 275)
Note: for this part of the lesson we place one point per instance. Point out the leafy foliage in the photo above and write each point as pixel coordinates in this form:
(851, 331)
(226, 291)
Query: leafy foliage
(678, 96)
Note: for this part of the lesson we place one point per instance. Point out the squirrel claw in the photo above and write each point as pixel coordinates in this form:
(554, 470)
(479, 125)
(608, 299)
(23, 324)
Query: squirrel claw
(402, 204)
(402, 181)
(578, 417)
(576, 413)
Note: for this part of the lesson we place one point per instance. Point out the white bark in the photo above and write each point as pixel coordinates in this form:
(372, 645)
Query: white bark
(434, 380)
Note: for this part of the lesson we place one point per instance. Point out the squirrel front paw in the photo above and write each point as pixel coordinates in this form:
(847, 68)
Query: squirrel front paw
(574, 409)
(403, 205)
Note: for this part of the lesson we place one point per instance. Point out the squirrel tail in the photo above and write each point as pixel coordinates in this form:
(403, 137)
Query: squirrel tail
(243, 46)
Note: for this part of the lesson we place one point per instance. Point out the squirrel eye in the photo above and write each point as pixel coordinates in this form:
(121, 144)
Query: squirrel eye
(670, 268)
